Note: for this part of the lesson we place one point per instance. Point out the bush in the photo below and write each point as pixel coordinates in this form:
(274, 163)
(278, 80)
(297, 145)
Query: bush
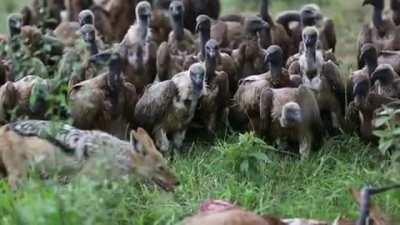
(388, 124)
(247, 156)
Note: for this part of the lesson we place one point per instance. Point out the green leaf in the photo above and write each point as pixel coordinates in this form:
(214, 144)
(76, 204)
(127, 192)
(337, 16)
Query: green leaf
(244, 166)
(381, 121)
(384, 146)
(260, 156)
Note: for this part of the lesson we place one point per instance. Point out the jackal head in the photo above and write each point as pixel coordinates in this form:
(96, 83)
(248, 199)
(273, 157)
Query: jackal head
(149, 162)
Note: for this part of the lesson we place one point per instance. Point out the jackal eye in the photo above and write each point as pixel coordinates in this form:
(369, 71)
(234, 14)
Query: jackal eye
(160, 168)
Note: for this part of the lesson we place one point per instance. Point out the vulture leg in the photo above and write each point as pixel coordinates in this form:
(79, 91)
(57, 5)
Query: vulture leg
(161, 139)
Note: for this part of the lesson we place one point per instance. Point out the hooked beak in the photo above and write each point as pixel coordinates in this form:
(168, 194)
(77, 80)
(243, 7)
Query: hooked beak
(211, 54)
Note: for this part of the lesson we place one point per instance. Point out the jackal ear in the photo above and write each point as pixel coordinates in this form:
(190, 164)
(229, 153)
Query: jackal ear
(137, 144)
(146, 139)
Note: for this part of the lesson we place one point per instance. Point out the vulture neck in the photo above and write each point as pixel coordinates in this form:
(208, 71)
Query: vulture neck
(114, 81)
(143, 28)
(211, 67)
(93, 47)
(205, 36)
(371, 65)
(275, 70)
(265, 38)
(264, 12)
(377, 18)
(178, 28)
(14, 31)
(311, 54)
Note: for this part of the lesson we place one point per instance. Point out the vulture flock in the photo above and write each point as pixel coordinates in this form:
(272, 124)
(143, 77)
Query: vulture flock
(168, 66)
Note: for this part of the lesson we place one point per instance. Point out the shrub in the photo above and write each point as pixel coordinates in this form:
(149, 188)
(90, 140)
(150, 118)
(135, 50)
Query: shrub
(388, 131)
(247, 156)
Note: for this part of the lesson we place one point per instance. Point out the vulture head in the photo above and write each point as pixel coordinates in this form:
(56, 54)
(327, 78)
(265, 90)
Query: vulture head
(14, 24)
(86, 17)
(254, 24)
(143, 12)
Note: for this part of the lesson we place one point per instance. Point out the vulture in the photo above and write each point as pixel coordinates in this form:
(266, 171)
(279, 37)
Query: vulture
(324, 78)
(275, 33)
(362, 109)
(138, 51)
(383, 32)
(214, 104)
(291, 113)
(46, 48)
(250, 88)
(385, 81)
(68, 31)
(25, 97)
(117, 14)
(224, 62)
(171, 55)
(160, 25)
(105, 102)
(167, 108)
(75, 65)
(249, 56)
(309, 15)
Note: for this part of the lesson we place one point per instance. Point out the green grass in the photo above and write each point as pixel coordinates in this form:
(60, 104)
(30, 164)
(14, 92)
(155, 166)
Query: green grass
(284, 186)
(287, 187)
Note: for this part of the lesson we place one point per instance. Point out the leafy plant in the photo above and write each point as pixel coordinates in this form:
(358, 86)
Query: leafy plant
(247, 156)
(388, 124)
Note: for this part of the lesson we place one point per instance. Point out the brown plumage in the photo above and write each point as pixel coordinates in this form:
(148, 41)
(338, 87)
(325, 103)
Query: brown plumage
(309, 15)
(171, 55)
(103, 24)
(395, 7)
(361, 110)
(250, 89)
(385, 81)
(291, 113)
(224, 62)
(250, 55)
(214, 104)
(275, 34)
(105, 102)
(160, 26)
(17, 96)
(324, 79)
(68, 32)
(121, 15)
(139, 53)
(383, 33)
(167, 108)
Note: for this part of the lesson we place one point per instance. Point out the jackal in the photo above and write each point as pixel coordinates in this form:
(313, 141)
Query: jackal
(51, 147)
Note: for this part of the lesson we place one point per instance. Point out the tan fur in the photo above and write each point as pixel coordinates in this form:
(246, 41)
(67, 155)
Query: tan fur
(227, 217)
(18, 154)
